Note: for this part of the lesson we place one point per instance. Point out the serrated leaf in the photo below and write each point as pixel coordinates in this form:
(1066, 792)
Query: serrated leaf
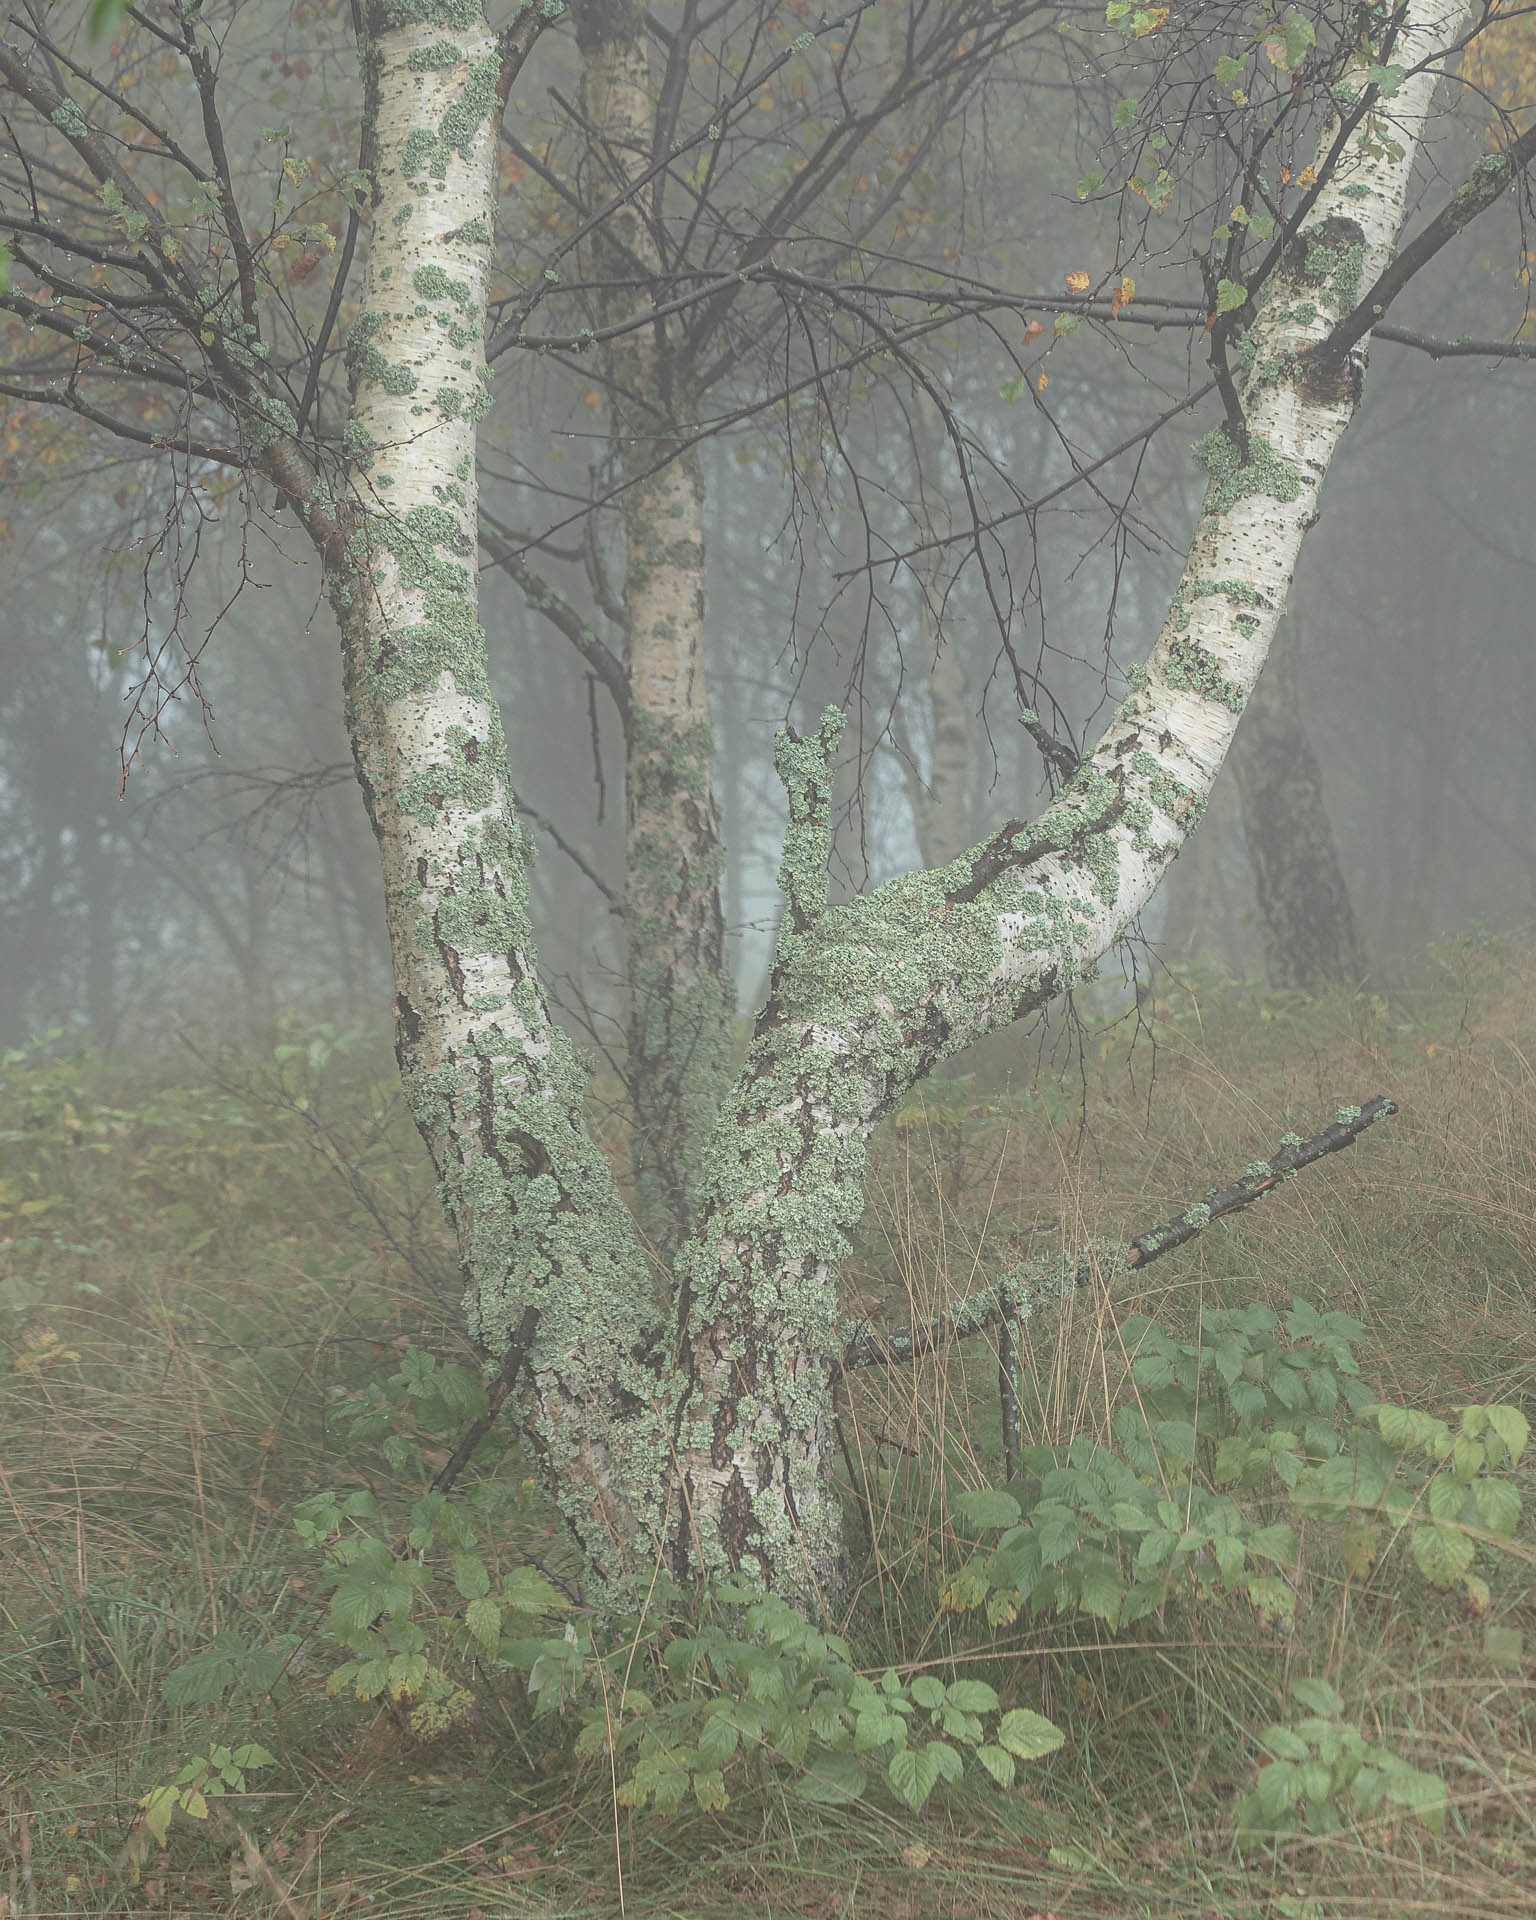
(1028, 1735)
(718, 1740)
(988, 1507)
(914, 1773)
(709, 1791)
(1316, 1695)
(1228, 71)
(1512, 1427)
(1089, 185)
(1230, 295)
(483, 1619)
(471, 1576)
(999, 1763)
(1064, 324)
(1448, 1495)
(927, 1690)
(1441, 1555)
(972, 1696)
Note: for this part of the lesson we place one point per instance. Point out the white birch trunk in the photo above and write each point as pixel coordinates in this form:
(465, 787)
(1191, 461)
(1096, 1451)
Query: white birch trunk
(868, 997)
(553, 1264)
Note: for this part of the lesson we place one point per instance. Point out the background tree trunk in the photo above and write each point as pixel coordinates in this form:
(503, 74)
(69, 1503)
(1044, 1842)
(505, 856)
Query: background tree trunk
(681, 999)
(1308, 923)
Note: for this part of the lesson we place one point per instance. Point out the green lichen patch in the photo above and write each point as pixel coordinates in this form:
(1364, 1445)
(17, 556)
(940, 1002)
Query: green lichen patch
(1330, 257)
(1189, 668)
(1232, 476)
(425, 152)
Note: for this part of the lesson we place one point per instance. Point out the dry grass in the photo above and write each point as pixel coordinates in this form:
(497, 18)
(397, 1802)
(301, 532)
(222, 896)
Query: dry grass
(190, 1319)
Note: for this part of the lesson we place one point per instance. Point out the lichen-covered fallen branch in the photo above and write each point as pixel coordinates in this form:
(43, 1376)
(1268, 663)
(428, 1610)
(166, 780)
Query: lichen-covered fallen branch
(1050, 1278)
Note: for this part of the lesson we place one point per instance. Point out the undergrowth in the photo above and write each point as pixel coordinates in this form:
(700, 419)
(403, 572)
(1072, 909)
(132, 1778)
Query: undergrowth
(250, 1664)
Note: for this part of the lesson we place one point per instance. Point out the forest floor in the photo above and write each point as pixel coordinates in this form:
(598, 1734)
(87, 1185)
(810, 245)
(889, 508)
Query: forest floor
(207, 1268)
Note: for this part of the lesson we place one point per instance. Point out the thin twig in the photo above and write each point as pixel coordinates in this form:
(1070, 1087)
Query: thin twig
(1022, 1291)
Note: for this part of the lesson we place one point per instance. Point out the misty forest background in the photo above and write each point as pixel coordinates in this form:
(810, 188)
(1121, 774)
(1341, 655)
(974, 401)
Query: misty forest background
(218, 1234)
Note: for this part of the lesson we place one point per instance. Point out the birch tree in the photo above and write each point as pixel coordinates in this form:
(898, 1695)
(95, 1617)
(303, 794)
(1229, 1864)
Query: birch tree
(686, 1427)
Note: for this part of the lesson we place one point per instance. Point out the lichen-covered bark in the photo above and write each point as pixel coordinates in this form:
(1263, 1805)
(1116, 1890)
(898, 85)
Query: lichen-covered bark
(870, 996)
(1310, 937)
(552, 1261)
(681, 1001)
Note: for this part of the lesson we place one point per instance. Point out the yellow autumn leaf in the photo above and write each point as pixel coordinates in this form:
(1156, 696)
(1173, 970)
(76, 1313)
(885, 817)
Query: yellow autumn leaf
(1079, 281)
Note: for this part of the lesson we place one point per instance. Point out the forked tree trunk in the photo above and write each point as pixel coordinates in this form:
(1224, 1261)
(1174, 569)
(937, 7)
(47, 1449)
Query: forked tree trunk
(706, 1442)
(1310, 937)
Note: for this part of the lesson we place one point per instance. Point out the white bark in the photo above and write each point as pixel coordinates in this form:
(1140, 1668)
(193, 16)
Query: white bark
(868, 997)
(554, 1268)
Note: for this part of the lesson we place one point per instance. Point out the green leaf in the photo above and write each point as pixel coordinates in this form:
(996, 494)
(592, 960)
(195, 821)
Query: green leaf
(370, 1678)
(470, 1575)
(1028, 1735)
(1089, 185)
(211, 1673)
(988, 1507)
(527, 1591)
(832, 1780)
(928, 1690)
(1229, 72)
(874, 1729)
(1176, 1438)
(999, 1763)
(159, 1806)
(1387, 79)
(1441, 1555)
(1101, 1589)
(1317, 1696)
(914, 1773)
(718, 1739)
(947, 1759)
(1230, 295)
(972, 1696)
(709, 1791)
(1448, 1495)
(483, 1619)
(1512, 1427)
(104, 16)
(1064, 324)
(1125, 114)
(1300, 36)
